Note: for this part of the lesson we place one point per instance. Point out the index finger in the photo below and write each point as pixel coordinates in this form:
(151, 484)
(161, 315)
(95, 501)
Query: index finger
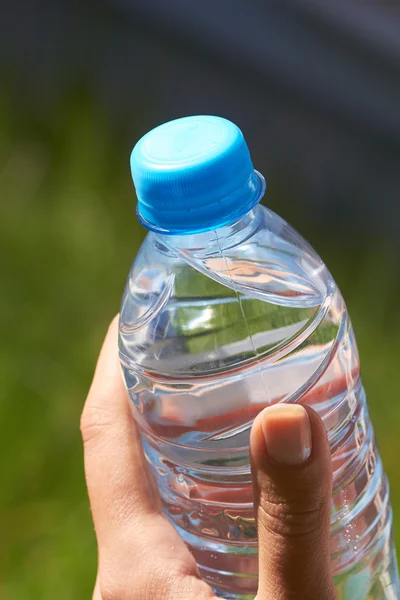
(140, 553)
(119, 484)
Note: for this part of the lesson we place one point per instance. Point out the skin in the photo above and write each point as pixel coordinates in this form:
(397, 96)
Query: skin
(140, 555)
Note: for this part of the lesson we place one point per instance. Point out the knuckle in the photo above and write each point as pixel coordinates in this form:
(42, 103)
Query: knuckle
(288, 520)
(113, 592)
(94, 420)
(148, 574)
(145, 582)
(122, 584)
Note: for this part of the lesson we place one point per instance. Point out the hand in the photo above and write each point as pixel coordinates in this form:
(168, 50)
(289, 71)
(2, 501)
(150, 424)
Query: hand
(141, 557)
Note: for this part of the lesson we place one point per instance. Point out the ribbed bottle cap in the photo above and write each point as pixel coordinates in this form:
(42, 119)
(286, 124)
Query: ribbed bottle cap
(194, 174)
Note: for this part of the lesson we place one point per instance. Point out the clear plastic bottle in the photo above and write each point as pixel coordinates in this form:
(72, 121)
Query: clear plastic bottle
(227, 310)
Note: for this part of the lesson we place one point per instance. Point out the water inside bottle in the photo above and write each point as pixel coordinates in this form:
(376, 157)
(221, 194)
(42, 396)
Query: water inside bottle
(211, 334)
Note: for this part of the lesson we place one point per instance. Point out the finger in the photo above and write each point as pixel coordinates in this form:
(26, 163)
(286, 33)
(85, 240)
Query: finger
(140, 553)
(96, 591)
(292, 490)
(119, 484)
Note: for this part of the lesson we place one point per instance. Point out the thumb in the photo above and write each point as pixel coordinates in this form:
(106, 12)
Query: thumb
(292, 490)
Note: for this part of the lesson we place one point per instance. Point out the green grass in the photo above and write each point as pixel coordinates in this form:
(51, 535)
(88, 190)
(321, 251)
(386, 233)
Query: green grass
(67, 237)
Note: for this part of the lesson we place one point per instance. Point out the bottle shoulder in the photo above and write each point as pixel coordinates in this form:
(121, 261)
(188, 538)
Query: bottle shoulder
(222, 300)
(264, 258)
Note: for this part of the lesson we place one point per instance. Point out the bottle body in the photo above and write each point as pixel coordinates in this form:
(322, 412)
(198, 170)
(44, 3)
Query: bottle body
(214, 327)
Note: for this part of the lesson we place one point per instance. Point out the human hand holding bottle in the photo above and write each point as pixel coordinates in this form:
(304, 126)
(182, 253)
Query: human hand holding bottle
(141, 556)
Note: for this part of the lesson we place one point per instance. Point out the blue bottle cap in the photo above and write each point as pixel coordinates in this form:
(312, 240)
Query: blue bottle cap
(194, 174)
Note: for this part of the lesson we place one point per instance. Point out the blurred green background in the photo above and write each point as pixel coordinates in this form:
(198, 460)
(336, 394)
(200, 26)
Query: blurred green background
(68, 234)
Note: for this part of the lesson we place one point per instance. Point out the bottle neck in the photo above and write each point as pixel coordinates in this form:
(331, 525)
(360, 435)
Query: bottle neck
(220, 238)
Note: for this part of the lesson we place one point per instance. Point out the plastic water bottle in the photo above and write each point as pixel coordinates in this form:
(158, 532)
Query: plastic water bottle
(227, 310)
